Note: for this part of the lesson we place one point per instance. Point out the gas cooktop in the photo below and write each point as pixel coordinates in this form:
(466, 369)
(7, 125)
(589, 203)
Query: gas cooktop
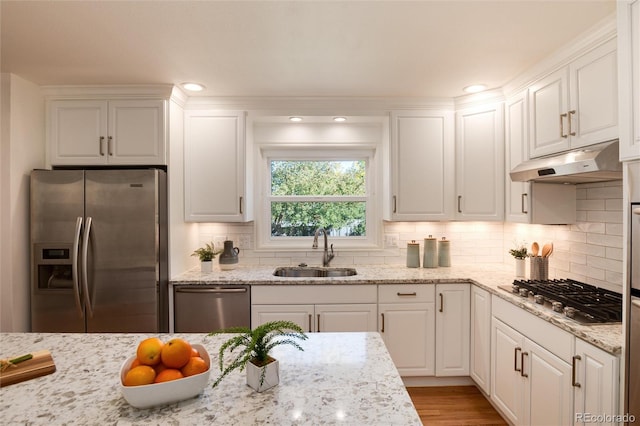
(581, 302)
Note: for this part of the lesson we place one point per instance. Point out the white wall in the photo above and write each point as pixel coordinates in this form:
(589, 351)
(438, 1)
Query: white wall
(23, 149)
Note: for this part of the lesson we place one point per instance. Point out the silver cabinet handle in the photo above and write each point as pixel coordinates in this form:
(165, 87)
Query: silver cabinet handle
(572, 112)
(382, 315)
(210, 290)
(515, 358)
(110, 145)
(85, 266)
(318, 329)
(459, 200)
(525, 195)
(522, 355)
(441, 303)
(74, 266)
(101, 143)
(407, 294)
(573, 370)
(240, 205)
(310, 317)
(395, 204)
(562, 135)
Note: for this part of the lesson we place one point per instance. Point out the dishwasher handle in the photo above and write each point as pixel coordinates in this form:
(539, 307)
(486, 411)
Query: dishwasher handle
(210, 290)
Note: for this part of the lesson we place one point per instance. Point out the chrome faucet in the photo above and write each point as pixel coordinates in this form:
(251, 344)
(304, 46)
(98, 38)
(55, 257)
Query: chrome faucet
(326, 258)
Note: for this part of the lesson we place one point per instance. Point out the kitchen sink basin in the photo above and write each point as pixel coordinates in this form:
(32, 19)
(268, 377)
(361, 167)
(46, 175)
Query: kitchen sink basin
(315, 272)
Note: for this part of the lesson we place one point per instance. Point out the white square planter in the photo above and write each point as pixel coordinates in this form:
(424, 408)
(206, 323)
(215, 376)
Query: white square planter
(271, 376)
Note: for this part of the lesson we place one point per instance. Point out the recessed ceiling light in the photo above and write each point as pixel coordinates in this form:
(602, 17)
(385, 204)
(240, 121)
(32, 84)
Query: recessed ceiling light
(475, 88)
(339, 119)
(193, 87)
(295, 119)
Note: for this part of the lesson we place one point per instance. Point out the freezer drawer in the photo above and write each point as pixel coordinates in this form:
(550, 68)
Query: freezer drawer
(202, 309)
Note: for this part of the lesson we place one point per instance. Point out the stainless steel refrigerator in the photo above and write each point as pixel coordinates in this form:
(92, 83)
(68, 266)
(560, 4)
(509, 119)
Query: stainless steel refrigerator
(633, 307)
(99, 251)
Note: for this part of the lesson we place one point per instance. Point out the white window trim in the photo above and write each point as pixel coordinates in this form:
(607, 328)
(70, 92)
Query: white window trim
(371, 154)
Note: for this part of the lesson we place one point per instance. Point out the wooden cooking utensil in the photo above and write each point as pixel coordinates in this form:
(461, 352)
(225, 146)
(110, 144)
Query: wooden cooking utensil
(534, 249)
(550, 250)
(546, 250)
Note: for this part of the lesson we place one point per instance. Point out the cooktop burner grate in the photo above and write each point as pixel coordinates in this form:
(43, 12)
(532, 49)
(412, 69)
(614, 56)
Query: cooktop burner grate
(582, 302)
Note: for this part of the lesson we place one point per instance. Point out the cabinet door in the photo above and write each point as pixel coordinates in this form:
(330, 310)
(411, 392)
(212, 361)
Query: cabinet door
(422, 165)
(596, 382)
(452, 329)
(214, 166)
(137, 132)
(352, 317)
(506, 369)
(480, 163)
(594, 96)
(298, 314)
(516, 144)
(548, 398)
(77, 132)
(629, 78)
(408, 331)
(548, 127)
(480, 354)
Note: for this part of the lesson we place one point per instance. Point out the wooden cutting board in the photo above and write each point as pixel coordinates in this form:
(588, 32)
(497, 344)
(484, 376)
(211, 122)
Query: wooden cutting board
(40, 365)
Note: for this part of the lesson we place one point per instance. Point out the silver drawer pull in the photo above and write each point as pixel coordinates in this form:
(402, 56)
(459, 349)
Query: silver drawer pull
(211, 290)
(407, 294)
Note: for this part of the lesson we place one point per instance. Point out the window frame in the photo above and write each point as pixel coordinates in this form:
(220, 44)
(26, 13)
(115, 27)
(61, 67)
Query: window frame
(370, 154)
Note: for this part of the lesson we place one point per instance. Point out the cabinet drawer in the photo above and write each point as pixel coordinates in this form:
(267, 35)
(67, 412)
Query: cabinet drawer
(406, 293)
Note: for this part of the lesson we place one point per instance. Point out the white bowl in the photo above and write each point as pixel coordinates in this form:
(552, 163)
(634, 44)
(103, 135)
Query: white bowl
(145, 396)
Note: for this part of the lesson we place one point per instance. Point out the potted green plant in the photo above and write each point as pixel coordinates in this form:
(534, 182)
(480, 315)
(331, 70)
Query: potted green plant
(262, 370)
(206, 255)
(520, 253)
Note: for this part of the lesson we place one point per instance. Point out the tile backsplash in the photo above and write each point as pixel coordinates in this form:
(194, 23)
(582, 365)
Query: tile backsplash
(588, 251)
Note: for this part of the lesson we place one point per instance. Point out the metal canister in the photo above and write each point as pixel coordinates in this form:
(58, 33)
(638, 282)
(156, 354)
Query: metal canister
(430, 256)
(444, 253)
(413, 254)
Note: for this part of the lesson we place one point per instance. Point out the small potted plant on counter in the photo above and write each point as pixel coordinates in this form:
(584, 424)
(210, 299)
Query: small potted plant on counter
(520, 254)
(262, 369)
(206, 255)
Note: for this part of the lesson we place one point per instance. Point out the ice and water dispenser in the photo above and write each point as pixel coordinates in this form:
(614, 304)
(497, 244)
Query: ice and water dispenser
(53, 266)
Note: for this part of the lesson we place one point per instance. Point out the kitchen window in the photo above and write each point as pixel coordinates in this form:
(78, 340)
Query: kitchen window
(306, 189)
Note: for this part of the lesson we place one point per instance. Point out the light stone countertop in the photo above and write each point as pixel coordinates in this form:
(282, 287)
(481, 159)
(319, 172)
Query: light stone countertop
(608, 337)
(346, 378)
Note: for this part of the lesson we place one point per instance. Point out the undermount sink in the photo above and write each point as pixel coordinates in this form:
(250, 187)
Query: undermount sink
(305, 271)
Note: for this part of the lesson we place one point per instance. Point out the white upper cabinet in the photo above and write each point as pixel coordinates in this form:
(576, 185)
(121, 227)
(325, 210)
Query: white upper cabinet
(480, 163)
(215, 165)
(629, 78)
(107, 132)
(576, 105)
(422, 165)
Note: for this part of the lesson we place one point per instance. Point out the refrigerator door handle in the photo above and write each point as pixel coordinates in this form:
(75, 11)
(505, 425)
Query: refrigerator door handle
(74, 266)
(85, 281)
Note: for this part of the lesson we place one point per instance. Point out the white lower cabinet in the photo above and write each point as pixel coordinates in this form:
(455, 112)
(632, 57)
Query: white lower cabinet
(595, 383)
(317, 308)
(480, 350)
(530, 385)
(407, 326)
(452, 329)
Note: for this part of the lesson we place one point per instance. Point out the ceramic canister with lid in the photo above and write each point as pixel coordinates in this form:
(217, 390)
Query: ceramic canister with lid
(444, 253)
(430, 257)
(413, 254)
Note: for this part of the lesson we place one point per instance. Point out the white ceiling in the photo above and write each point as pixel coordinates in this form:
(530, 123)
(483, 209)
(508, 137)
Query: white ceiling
(289, 48)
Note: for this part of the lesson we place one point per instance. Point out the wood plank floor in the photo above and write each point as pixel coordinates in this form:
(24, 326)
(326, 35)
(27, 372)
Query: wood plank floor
(453, 405)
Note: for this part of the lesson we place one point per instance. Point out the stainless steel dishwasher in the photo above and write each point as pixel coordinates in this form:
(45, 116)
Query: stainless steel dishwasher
(206, 308)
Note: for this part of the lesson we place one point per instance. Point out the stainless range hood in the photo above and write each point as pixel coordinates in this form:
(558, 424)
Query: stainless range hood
(595, 163)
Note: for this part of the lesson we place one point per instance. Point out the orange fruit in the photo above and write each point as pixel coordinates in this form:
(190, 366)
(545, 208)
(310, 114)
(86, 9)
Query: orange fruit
(175, 353)
(194, 352)
(135, 363)
(159, 367)
(195, 365)
(149, 350)
(140, 375)
(168, 375)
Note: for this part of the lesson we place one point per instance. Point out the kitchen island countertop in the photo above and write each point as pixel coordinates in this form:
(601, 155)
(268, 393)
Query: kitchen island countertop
(339, 378)
(487, 276)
